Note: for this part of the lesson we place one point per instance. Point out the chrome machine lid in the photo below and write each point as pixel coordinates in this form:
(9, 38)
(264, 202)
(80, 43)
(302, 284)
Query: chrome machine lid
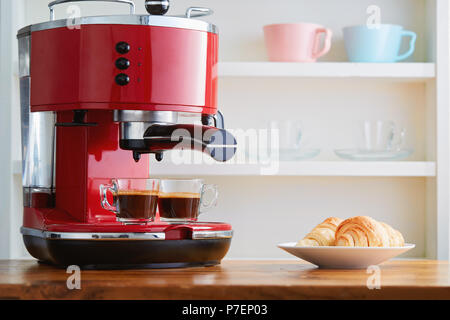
(181, 22)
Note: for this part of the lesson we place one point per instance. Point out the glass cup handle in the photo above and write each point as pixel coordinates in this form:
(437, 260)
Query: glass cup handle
(104, 198)
(400, 140)
(299, 137)
(205, 206)
(397, 140)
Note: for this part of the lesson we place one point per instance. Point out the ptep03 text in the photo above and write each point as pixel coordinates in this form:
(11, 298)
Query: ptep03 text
(228, 309)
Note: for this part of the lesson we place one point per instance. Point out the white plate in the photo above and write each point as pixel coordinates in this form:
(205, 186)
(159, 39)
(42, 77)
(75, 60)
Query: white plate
(345, 257)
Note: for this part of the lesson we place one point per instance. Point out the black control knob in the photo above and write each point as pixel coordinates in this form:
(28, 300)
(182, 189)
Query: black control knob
(122, 79)
(122, 63)
(123, 47)
(158, 7)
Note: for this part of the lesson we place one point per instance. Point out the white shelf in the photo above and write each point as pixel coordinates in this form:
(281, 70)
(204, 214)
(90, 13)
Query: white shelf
(303, 168)
(400, 71)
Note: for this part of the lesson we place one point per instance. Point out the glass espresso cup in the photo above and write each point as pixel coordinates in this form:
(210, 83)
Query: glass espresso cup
(381, 136)
(134, 200)
(184, 200)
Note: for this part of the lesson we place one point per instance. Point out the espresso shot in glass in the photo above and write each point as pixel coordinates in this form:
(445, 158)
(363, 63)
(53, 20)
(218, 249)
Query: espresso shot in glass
(134, 200)
(184, 200)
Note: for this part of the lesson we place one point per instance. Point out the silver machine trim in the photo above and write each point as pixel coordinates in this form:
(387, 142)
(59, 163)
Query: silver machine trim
(145, 116)
(144, 20)
(98, 236)
(92, 236)
(134, 123)
(38, 135)
(197, 235)
(193, 12)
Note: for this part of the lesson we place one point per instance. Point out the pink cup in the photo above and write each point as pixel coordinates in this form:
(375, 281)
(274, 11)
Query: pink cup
(296, 42)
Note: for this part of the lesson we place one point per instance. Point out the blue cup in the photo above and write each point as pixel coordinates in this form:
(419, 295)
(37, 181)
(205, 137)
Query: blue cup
(380, 43)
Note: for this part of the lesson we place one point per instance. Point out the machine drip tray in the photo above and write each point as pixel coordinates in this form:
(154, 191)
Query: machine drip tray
(119, 254)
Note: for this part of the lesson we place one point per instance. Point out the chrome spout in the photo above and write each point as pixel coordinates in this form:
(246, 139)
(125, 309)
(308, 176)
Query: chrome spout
(217, 143)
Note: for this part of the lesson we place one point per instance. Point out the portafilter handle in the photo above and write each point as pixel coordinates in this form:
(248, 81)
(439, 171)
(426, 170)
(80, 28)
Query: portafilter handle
(217, 143)
(54, 3)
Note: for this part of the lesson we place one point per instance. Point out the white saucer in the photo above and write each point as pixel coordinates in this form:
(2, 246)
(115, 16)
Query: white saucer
(364, 155)
(345, 257)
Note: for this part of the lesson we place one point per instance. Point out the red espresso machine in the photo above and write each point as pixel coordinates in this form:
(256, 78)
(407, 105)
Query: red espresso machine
(98, 97)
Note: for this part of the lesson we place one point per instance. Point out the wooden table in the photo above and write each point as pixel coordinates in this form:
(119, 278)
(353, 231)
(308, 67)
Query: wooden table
(26, 279)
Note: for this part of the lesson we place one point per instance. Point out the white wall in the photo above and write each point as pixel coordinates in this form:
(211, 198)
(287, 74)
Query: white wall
(5, 128)
(267, 210)
(11, 18)
(240, 21)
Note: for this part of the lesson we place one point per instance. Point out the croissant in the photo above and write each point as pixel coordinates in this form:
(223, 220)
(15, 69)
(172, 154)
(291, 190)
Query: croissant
(362, 231)
(395, 237)
(322, 235)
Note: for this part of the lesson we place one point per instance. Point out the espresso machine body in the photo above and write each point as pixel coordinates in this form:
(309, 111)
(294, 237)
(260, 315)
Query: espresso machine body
(97, 100)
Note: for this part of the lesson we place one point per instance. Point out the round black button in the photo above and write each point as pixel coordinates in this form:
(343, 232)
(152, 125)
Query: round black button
(122, 79)
(122, 63)
(123, 47)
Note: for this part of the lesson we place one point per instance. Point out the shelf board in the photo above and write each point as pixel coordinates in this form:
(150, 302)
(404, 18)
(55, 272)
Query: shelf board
(400, 71)
(302, 168)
